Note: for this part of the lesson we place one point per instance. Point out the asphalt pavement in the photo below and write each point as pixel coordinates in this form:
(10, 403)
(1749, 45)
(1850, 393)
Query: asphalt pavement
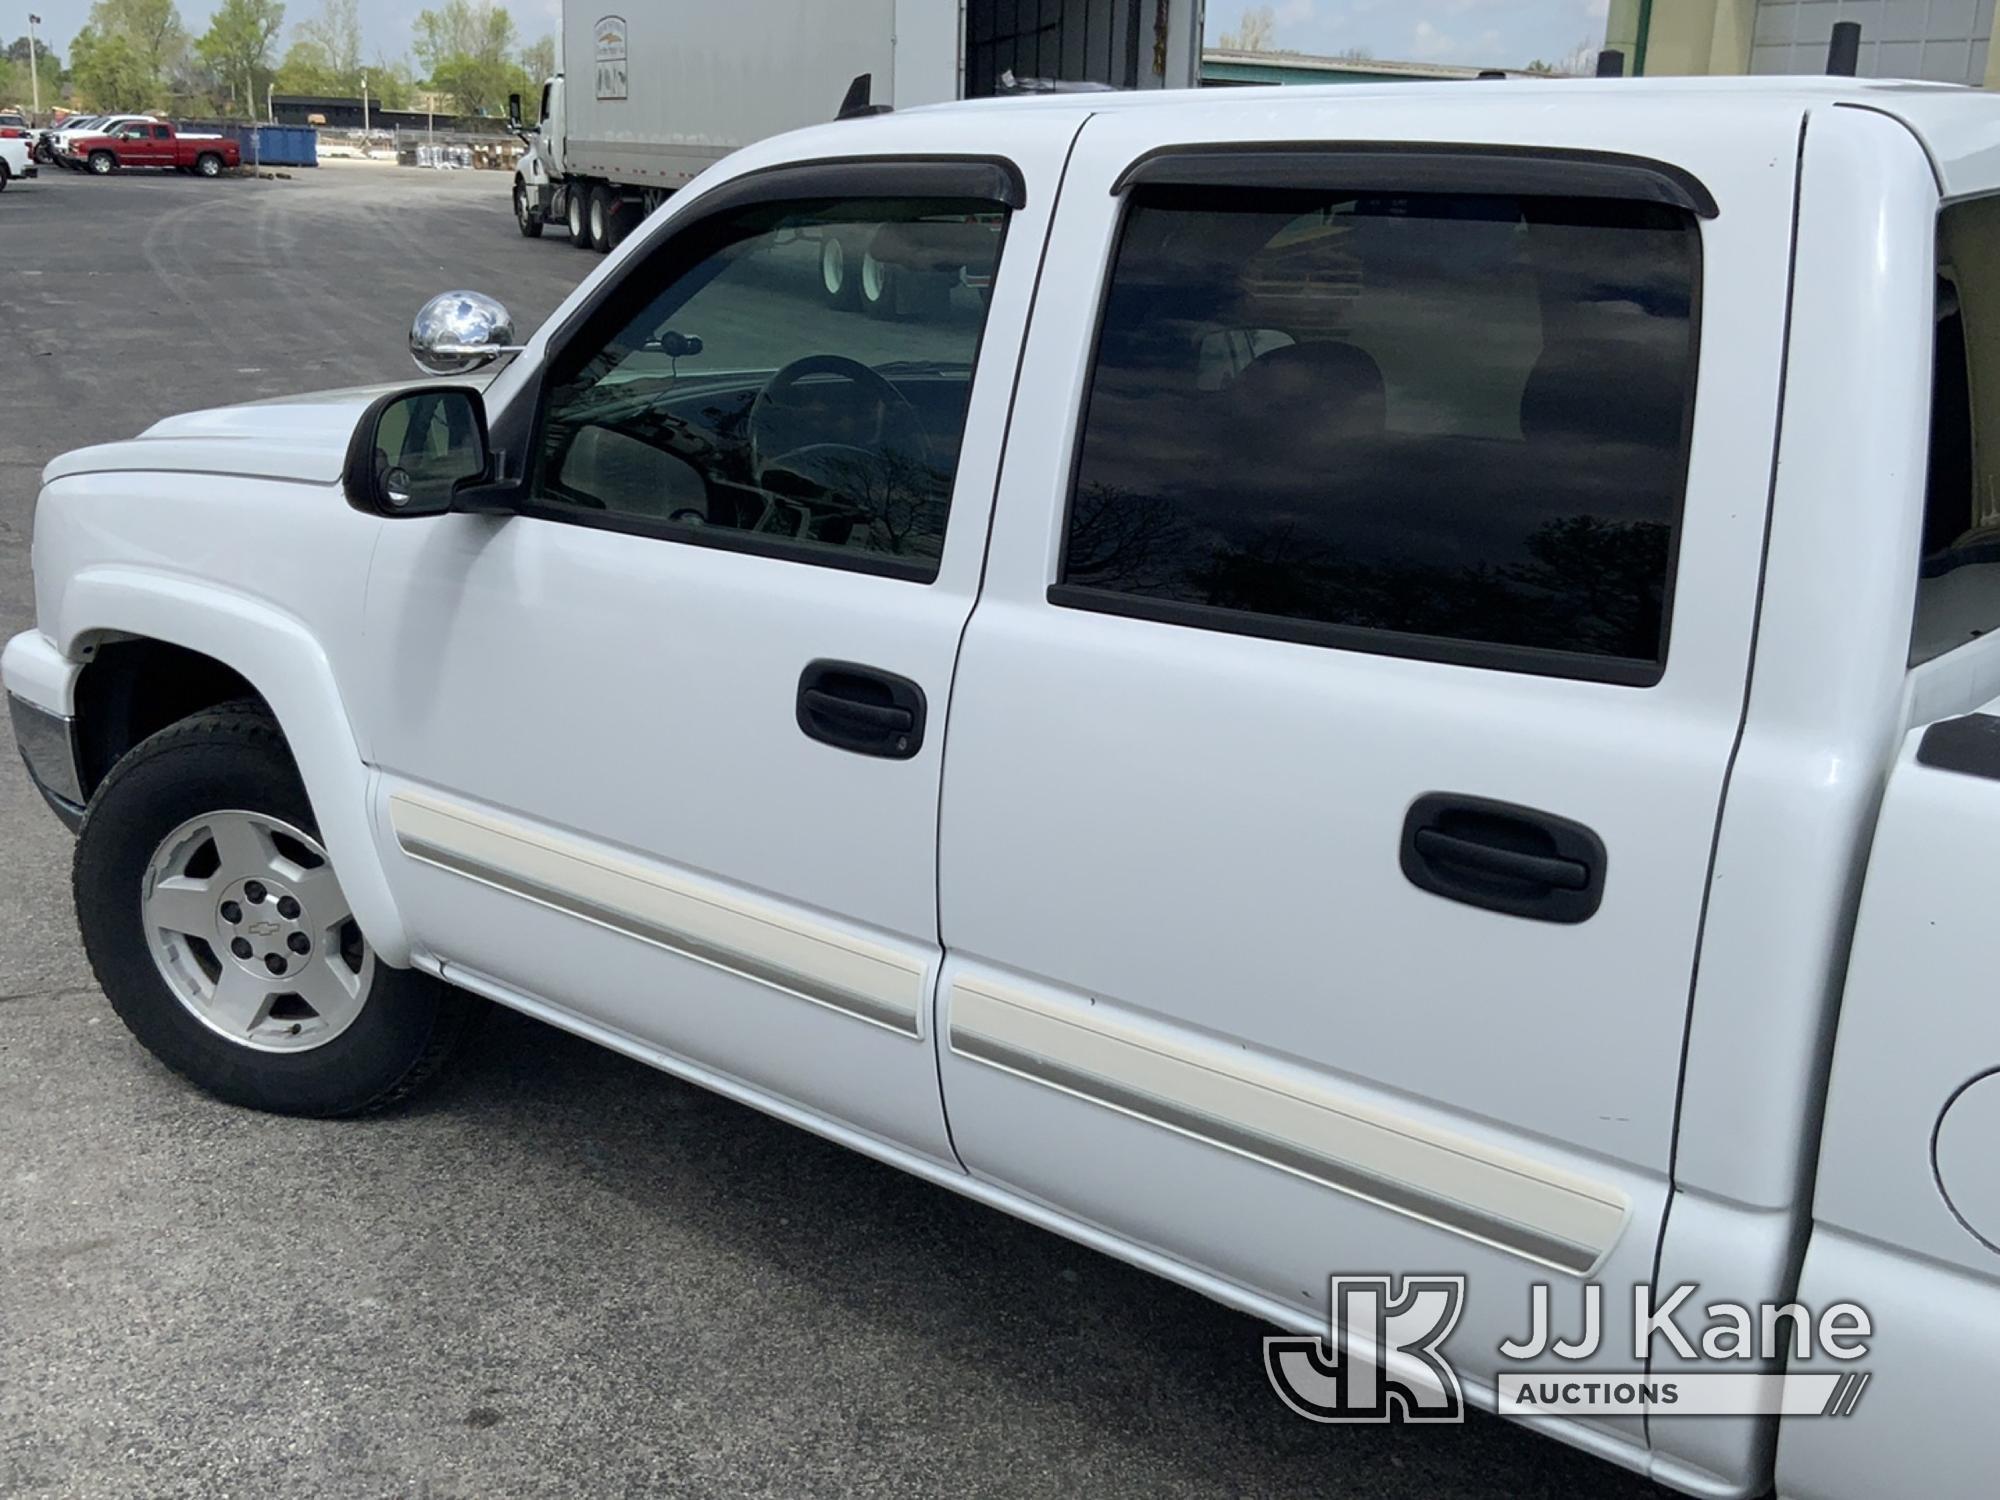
(558, 1273)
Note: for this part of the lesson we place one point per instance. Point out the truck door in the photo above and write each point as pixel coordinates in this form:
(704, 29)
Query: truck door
(660, 752)
(1337, 745)
(134, 145)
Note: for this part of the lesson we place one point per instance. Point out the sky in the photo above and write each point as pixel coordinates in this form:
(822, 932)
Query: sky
(1486, 33)
(1499, 33)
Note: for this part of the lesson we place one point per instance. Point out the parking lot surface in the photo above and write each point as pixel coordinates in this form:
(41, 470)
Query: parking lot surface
(558, 1273)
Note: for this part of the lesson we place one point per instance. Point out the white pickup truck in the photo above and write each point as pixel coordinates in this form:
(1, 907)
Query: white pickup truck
(1412, 688)
(16, 159)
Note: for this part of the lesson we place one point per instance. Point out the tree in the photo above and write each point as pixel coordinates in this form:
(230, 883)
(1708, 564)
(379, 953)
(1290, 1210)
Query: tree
(1578, 62)
(539, 59)
(237, 46)
(390, 84)
(1253, 32)
(467, 47)
(17, 50)
(1582, 59)
(325, 58)
(16, 86)
(336, 31)
(152, 27)
(307, 69)
(110, 73)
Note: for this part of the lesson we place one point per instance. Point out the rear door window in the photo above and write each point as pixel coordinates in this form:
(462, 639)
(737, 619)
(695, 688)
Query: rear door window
(1958, 583)
(1423, 424)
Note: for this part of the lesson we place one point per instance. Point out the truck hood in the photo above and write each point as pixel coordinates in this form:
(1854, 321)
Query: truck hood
(299, 438)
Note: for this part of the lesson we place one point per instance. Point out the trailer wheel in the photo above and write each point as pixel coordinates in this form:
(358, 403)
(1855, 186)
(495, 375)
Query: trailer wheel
(579, 217)
(878, 287)
(525, 213)
(839, 271)
(623, 217)
(603, 207)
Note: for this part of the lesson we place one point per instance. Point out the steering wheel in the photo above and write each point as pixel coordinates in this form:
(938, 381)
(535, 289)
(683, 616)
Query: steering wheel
(777, 417)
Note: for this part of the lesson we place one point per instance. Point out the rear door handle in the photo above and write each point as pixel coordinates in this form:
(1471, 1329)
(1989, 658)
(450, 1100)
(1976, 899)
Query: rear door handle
(861, 709)
(1503, 857)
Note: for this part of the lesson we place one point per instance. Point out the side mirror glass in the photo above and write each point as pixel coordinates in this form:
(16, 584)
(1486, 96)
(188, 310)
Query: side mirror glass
(414, 451)
(456, 332)
(514, 111)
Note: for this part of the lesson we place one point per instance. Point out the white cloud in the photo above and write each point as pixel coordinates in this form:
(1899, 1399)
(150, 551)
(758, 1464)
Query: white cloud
(1427, 41)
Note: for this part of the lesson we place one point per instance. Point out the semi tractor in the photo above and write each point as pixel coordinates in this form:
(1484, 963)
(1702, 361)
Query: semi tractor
(644, 102)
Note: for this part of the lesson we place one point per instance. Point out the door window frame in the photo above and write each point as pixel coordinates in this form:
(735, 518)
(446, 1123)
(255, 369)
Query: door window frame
(1411, 167)
(692, 237)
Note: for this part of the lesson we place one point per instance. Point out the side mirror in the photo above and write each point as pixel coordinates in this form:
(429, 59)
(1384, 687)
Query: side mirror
(457, 332)
(514, 112)
(413, 451)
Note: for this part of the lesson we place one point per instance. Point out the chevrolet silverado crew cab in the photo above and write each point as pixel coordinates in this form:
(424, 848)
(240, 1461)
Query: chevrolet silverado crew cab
(1373, 681)
(151, 144)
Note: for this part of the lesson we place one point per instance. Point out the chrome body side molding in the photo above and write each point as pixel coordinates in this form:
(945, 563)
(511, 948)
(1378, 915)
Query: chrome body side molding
(759, 940)
(1241, 1104)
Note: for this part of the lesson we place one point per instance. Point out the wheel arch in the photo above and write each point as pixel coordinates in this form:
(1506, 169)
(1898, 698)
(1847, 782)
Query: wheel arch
(222, 640)
(134, 686)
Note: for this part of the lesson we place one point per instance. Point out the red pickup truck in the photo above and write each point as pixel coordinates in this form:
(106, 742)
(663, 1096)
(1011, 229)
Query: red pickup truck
(152, 143)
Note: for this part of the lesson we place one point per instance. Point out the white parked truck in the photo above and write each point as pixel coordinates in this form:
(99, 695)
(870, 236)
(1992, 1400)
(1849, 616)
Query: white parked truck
(649, 98)
(1408, 696)
(16, 159)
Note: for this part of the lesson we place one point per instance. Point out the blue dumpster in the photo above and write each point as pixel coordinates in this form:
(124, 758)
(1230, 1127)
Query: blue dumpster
(276, 145)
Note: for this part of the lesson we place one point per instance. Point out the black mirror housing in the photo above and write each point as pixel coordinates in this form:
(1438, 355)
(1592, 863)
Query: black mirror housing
(415, 450)
(514, 111)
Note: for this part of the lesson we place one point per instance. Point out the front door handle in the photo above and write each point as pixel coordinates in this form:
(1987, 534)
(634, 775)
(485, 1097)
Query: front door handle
(1503, 857)
(862, 709)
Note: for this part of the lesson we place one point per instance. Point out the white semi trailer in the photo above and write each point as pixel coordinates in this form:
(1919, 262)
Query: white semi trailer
(648, 98)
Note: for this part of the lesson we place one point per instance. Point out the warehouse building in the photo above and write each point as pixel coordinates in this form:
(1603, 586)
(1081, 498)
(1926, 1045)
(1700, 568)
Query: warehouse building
(1948, 41)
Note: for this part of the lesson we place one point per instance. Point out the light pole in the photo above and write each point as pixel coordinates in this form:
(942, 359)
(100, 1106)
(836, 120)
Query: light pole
(364, 114)
(34, 64)
(270, 110)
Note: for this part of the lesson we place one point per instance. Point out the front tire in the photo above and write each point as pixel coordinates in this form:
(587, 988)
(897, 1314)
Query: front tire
(5, 176)
(217, 928)
(102, 163)
(525, 213)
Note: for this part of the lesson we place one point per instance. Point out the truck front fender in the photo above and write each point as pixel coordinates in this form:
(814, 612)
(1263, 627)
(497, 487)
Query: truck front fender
(279, 656)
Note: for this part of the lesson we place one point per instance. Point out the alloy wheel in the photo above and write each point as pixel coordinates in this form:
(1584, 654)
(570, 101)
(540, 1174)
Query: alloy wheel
(248, 926)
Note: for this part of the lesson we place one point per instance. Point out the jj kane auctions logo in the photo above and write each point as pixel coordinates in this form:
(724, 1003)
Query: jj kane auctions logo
(1382, 1359)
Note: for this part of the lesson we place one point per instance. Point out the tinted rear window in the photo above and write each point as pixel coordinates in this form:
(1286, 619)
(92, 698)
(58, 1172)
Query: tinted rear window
(1429, 424)
(1958, 586)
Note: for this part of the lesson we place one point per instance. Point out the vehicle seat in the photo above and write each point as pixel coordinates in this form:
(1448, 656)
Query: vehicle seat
(632, 477)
